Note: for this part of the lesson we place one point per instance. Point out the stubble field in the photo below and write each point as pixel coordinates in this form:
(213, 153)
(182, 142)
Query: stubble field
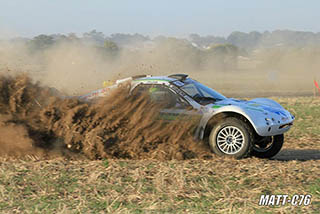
(216, 185)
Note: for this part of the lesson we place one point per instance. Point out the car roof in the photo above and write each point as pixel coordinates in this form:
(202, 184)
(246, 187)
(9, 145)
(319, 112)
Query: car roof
(157, 78)
(169, 79)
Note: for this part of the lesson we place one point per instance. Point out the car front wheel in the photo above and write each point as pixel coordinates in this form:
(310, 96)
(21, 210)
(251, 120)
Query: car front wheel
(231, 137)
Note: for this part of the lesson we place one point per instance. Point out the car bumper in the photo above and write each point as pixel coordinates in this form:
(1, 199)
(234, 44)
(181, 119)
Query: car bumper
(273, 128)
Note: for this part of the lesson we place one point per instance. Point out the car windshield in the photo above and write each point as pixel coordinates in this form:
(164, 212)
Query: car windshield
(200, 92)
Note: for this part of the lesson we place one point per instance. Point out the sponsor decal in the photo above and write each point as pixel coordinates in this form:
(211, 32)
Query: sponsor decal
(216, 106)
(219, 106)
(280, 113)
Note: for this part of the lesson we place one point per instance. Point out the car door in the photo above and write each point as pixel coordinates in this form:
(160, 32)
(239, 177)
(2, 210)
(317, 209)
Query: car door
(174, 106)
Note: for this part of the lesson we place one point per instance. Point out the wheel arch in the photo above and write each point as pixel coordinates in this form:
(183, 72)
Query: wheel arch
(222, 115)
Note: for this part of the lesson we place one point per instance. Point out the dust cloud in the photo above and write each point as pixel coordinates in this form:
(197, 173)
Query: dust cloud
(35, 122)
(75, 68)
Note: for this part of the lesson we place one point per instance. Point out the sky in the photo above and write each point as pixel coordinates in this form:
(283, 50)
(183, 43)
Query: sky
(149, 17)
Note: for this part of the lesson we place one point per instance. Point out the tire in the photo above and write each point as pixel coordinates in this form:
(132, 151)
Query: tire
(231, 137)
(275, 147)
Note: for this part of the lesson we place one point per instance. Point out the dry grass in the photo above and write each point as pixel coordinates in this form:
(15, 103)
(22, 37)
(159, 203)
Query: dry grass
(220, 185)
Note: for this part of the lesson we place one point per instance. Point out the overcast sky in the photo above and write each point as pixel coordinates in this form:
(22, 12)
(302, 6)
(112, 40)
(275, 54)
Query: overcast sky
(151, 17)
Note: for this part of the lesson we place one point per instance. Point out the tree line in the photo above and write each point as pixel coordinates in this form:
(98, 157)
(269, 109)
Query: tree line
(202, 51)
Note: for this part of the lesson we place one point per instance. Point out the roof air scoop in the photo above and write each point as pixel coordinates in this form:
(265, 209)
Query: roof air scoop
(179, 76)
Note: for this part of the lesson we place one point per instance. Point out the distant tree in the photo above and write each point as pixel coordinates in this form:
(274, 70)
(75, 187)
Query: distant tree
(128, 39)
(229, 49)
(108, 50)
(290, 38)
(73, 37)
(223, 56)
(110, 46)
(245, 40)
(94, 36)
(41, 42)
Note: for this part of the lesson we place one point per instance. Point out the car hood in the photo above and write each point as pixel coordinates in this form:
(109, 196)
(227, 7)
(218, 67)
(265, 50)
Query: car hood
(263, 105)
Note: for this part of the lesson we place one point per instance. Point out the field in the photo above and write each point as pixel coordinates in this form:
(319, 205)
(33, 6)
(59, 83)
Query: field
(217, 185)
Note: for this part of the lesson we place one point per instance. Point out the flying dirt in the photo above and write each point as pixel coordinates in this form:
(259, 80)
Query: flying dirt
(35, 121)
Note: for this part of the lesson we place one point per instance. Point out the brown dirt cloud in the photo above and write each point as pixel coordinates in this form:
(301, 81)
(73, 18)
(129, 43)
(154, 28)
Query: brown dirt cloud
(35, 122)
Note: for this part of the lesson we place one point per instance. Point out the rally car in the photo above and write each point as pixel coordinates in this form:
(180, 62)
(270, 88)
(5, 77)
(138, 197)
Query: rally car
(232, 127)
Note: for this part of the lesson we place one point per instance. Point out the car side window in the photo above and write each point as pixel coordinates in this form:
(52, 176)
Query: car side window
(162, 95)
(140, 89)
(190, 89)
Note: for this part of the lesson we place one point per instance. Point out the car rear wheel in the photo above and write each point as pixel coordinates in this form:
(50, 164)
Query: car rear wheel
(231, 137)
(268, 147)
